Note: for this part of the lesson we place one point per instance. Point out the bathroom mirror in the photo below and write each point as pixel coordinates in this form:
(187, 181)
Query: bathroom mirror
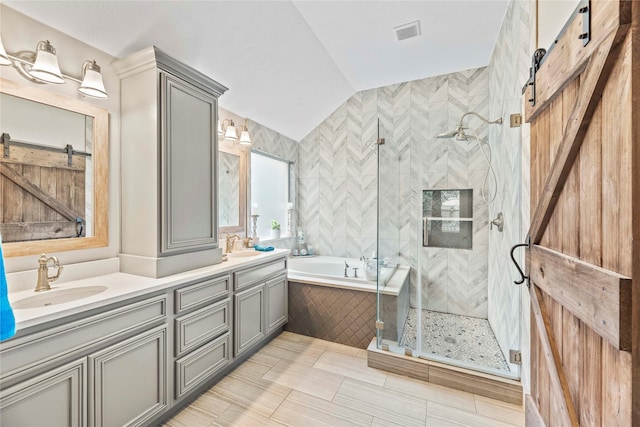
(53, 172)
(232, 188)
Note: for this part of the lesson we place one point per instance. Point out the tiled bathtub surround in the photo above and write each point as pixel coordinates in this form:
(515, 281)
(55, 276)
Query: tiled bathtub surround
(337, 315)
(338, 184)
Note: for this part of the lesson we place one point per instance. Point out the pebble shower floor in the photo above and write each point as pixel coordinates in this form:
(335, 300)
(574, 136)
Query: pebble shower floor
(453, 336)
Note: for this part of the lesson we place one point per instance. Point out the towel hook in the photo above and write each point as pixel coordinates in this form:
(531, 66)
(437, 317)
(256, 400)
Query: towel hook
(513, 258)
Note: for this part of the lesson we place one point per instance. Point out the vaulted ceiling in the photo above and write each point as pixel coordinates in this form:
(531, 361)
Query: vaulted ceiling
(288, 64)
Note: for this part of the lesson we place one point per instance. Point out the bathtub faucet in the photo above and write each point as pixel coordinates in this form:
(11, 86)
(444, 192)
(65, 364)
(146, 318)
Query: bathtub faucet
(346, 266)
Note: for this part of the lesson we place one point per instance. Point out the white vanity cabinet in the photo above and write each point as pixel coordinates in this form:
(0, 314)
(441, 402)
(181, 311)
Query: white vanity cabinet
(260, 303)
(169, 116)
(108, 369)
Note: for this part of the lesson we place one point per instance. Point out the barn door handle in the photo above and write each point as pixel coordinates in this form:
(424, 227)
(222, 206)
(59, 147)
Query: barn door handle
(513, 258)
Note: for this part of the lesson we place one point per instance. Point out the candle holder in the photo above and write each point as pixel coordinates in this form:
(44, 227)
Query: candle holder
(290, 212)
(254, 226)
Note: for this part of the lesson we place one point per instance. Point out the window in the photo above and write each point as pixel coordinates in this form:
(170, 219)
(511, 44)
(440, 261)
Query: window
(269, 192)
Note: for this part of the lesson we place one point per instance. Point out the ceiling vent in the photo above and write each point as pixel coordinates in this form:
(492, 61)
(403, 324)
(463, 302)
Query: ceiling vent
(406, 31)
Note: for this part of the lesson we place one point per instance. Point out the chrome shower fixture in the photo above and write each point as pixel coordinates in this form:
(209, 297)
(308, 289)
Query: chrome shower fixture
(459, 133)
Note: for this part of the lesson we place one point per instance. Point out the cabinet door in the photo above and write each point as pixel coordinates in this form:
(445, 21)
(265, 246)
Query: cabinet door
(277, 303)
(56, 398)
(189, 158)
(128, 380)
(249, 318)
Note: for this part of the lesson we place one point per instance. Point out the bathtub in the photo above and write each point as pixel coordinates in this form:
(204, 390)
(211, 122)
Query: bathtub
(329, 271)
(326, 305)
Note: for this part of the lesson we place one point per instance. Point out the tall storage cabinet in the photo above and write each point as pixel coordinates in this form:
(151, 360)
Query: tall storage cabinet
(169, 116)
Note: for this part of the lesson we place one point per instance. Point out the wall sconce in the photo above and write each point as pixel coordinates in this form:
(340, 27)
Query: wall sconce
(42, 66)
(227, 131)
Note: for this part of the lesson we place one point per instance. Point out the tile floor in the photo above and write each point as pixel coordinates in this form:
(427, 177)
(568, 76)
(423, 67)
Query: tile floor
(296, 380)
(464, 338)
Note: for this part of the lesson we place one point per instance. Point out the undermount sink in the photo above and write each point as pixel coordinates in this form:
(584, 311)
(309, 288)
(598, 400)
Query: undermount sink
(57, 296)
(243, 254)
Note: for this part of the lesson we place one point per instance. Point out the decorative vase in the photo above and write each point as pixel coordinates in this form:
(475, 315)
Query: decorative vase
(275, 234)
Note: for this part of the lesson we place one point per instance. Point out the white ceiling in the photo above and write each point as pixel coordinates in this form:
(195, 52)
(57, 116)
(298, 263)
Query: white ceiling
(288, 64)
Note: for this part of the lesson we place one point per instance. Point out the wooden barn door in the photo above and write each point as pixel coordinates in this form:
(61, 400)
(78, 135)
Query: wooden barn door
(580, 260)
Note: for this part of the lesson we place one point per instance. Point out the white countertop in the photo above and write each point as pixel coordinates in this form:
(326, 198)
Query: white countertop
(122, 286)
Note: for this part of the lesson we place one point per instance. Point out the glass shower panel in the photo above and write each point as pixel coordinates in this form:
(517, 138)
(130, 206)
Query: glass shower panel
(390, 260)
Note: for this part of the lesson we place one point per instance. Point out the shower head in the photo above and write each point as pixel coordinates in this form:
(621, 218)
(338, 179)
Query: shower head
(459, 133)
(447, 135)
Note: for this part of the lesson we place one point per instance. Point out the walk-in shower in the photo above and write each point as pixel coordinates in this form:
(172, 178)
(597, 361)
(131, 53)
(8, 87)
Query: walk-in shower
(434, 201)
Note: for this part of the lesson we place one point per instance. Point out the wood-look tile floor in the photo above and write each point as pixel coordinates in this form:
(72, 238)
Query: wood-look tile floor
(296, 380)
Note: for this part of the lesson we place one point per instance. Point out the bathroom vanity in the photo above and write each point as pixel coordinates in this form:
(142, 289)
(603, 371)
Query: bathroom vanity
(137, 351)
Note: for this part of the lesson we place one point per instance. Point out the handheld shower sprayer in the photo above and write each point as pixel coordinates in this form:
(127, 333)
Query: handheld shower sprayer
(460, 135)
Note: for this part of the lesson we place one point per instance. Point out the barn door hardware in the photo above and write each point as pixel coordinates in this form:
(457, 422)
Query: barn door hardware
(513, 258)
(7, 142)
(585, 36)
(536, 59)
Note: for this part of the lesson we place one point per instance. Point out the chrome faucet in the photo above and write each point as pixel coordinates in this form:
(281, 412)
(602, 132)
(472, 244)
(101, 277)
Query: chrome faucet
(231, 239)
(346, 266)
(43, 272)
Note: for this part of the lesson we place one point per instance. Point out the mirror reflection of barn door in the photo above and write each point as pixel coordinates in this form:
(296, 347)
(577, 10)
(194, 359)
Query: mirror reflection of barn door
(584, 109)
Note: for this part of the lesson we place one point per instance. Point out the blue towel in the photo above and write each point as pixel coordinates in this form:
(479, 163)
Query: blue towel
(7, 321)
(263, 248)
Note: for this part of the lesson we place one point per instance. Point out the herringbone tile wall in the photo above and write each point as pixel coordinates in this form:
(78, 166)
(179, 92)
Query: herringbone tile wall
(338, 183)
(508, 72)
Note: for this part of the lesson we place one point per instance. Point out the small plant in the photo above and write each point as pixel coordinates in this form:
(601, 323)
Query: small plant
(275, 225)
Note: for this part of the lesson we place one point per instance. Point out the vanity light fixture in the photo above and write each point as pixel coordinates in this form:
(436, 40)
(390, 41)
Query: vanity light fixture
(228, 132)
(4, 59)
(42, 67)
(245, 139)
(46, 67)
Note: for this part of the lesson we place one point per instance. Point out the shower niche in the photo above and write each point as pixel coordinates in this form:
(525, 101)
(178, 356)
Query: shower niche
(447, 218)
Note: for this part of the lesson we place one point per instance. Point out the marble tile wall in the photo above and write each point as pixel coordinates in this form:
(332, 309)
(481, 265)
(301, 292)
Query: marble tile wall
(508, 72)
(337, 166)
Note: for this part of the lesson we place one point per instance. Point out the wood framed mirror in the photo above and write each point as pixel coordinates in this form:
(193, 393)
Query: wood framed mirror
(232, 188)
(54, 178)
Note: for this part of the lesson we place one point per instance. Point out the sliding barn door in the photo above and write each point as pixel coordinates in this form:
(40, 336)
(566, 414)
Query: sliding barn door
(580, 261)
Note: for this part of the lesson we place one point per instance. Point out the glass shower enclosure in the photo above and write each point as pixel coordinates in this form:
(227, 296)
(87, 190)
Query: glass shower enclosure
(436, 245)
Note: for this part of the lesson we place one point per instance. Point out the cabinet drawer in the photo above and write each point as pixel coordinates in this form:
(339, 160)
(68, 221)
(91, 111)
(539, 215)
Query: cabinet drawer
(245, 278)
(201, 293)
(34, 350)
(198, 366)
(200, 326)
